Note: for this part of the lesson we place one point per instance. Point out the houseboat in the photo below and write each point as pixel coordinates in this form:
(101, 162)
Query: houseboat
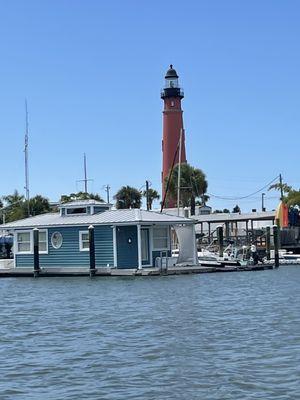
(123, 239)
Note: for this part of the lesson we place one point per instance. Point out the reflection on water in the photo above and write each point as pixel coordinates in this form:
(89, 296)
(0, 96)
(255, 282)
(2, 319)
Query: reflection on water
(214, 336)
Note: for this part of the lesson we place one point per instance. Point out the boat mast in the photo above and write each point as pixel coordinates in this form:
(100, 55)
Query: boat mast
(26, 159)
(85, 174)
(179, 173)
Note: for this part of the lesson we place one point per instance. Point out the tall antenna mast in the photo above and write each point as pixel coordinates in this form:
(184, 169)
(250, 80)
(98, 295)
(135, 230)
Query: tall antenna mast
(26, 159)
(85, 180)
(85, 175)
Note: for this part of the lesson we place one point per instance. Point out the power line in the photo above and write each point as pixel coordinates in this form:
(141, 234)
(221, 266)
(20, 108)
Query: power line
(243, 197)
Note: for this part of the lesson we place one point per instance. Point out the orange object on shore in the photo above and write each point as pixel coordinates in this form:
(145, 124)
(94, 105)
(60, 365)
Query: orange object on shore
(282, 214)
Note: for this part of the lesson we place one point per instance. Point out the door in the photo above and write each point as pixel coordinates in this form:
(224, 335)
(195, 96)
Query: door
(145, 246)
(127, 253)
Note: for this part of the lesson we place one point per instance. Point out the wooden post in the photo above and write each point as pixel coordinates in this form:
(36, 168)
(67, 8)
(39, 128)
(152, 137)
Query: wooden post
(92, 251)
(227, 233)
(209, 233)
(220, 240)
(277, 222)
(276, 248)
(36, 259)
(268, 242)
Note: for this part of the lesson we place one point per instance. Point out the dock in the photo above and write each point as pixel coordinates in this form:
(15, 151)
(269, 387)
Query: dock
(133, 272)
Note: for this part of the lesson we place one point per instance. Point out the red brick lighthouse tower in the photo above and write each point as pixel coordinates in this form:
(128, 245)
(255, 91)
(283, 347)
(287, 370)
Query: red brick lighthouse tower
(172, 126)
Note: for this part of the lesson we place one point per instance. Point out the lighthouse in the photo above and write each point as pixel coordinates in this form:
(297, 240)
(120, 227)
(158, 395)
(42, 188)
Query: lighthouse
(172, 95)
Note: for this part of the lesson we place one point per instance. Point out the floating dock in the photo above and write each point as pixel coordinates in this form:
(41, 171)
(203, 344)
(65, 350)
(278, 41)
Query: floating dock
(115, 272)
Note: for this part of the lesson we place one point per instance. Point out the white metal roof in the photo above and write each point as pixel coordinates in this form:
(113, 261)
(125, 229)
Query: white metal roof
(223, 217)
(131, 216)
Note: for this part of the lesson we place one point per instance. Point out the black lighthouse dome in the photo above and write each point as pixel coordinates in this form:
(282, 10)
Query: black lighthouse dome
(171, 73)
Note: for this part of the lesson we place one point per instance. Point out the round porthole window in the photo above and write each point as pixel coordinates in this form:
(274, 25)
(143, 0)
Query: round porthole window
(56, 240)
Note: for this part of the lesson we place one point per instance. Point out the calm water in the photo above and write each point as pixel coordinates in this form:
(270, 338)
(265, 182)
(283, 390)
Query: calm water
(214, 336)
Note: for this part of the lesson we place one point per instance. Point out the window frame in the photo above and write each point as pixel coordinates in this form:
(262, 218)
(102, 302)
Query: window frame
(76, 213)
(16, 244)
(167, 227)
(31, 244)
(46, 240)
(81, 248)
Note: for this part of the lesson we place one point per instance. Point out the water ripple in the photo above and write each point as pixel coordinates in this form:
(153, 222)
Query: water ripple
(215, 336)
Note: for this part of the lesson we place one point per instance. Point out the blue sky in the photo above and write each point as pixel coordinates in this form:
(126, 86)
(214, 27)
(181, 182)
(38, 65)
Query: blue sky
(92, 73)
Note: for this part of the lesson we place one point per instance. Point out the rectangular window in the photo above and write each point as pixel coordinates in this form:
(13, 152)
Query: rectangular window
(23, 242)
(79, 210)
(84, 243)
(161, 238)
(43, 241)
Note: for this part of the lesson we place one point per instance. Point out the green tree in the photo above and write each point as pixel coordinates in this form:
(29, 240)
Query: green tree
(38, 205)
(193, 185)
(293, 198)
(226, 211)
(128, 197)
(236, 209)
(80, 196)
(278, 186)
(14, 206)
(152, 195)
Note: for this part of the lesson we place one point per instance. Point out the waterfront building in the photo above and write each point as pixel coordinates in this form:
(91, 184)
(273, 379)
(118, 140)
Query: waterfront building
(129, 238)
(172, 95)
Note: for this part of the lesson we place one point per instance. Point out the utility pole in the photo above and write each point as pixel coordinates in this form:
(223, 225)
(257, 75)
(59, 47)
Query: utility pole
(262, 202)
(26, 160)
(147, 195)
(107, 187)
(281, 188)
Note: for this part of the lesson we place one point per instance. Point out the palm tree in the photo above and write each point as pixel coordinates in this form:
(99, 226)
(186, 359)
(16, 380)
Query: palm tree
(38, 205)
(152, 195)
(128, 197)
(193, 184)
(14, 207)
(13, 199)
(80, 196)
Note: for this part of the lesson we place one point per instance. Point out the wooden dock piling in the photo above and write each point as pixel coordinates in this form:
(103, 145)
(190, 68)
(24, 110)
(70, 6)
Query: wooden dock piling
(92, 251)
(276, 247)
(268, 243)
(220, 240)
(36, 259)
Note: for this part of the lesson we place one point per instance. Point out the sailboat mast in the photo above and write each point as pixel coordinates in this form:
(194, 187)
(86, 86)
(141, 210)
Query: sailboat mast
(179, 172)
(85, 173)
(26, 159)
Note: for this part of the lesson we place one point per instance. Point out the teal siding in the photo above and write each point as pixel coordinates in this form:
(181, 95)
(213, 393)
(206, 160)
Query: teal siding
(69, 255)
(127, 253)
(104, 248)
